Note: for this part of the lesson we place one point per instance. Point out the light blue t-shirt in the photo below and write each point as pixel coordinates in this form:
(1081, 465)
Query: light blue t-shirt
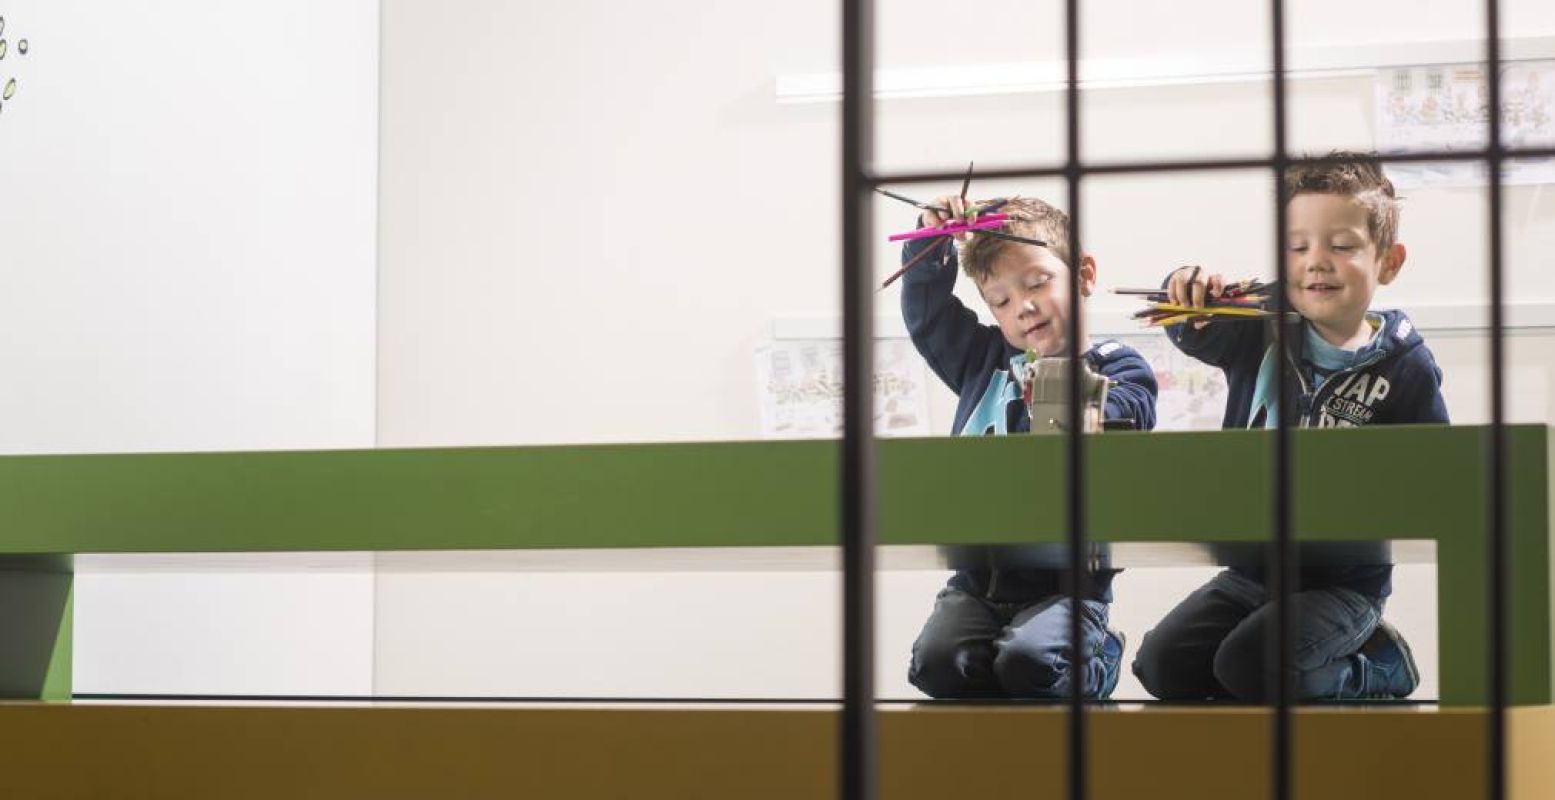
(1326, 359)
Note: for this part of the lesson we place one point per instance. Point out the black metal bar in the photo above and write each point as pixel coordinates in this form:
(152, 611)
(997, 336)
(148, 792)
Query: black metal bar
(1495, 763)
(1079, 575)
(857, 774)
(1193, 165)
(1282, 576)
(1526, 152)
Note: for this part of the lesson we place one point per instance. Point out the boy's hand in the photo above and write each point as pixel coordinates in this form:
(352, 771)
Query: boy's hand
(1192, 287)
(958, 210)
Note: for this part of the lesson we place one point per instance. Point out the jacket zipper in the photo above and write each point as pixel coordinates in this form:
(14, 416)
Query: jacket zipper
(1327, 390)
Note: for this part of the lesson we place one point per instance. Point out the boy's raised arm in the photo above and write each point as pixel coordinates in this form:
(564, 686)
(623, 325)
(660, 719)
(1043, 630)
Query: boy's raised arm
(946, 332)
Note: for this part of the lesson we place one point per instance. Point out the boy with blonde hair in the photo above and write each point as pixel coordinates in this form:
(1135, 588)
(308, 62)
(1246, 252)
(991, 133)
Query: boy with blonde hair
(1353, 366)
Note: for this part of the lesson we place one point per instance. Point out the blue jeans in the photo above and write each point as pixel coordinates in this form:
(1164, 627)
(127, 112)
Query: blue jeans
(971, 647)
(1214, 645)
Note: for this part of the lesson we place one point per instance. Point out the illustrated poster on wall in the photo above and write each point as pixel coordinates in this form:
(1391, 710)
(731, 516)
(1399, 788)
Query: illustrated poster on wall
(799, 382)
(1446, 108)
(1192, 394)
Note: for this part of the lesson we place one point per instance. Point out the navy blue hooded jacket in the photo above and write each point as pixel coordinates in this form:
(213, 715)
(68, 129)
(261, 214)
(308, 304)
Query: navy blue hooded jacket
(975, 361)
(1393, 381)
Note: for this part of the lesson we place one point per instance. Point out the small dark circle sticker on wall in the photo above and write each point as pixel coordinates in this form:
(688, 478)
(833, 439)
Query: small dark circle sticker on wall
(8, 66)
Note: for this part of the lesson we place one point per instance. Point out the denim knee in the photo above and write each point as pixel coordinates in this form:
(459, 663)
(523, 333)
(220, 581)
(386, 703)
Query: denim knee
(941, 669)
(1023, 672)
(1330, 625)
(1239, 665)
(1240, 668)
(1164, 672)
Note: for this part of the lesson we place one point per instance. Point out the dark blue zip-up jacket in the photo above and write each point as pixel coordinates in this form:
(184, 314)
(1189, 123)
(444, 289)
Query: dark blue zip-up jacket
(975, 361)
(1395, 381)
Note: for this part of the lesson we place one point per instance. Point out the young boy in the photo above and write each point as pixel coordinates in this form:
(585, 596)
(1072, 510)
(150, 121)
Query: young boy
(1354, 366)
(1005, 632)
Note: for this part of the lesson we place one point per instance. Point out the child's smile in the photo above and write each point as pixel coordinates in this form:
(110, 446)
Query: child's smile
(1334, 267)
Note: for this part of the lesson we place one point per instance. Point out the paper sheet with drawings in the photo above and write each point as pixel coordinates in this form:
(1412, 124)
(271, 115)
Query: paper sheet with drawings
(1192, 394)
(1446, 107)
(799, 382)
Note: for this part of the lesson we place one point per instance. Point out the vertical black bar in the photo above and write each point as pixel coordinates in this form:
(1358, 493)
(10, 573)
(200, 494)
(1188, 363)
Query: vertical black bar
(858, 780)
(1282, 574)
(1495, 763)
(1079, 575)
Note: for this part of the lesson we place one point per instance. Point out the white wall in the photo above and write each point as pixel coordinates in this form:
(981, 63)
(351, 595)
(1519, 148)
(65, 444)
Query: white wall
(188, 204)
(245, 624)
(187, 207)
(588, 189)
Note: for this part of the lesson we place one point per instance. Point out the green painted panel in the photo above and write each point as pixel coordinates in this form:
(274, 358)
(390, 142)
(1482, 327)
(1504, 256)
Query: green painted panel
(1414, 482)
(602, 496)
(35, 627)
(1529, 621)
(58, 681)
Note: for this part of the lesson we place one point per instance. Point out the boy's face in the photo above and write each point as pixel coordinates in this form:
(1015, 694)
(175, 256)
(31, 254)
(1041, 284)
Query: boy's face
(1333, 267)
(1028, 292)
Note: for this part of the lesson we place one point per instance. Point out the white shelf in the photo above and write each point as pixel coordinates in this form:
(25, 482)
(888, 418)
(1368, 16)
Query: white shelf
(1221, 66)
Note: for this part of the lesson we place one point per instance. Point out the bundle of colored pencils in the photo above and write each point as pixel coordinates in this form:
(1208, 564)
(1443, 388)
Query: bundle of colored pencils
(1247, 299)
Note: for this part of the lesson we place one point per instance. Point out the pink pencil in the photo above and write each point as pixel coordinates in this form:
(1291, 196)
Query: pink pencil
(983, 223)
